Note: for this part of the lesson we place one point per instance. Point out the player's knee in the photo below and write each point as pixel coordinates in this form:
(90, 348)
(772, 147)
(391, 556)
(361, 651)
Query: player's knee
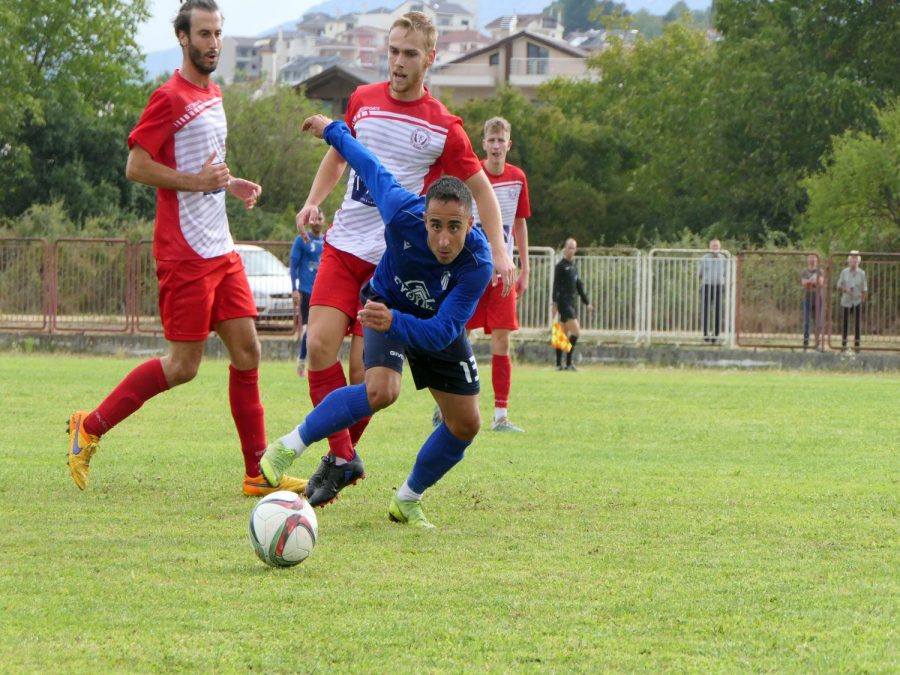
(464, 427)
(247, 356)
(382, 394)
(321, 349)
(181, 371)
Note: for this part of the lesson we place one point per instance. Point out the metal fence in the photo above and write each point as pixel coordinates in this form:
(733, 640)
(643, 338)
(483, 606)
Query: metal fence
(109, 285)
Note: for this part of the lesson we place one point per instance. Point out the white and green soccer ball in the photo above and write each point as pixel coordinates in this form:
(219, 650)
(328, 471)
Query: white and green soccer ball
(283, 529)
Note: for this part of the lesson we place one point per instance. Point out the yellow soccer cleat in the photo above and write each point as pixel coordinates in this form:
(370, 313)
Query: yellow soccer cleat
(82, 447)
(258, 486)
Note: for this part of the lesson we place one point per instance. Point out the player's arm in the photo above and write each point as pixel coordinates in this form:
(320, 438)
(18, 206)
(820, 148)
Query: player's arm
(142, 168)
(330, 170)
(520, 234)
(390, 197)
(492, 224)
(580, 288)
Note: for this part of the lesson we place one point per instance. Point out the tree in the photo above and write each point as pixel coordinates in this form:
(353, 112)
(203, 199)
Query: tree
(71, 89)
(567, 160)
(582, 15)
(646, 24)
(854, 201)
(843, 40)
(265, 145)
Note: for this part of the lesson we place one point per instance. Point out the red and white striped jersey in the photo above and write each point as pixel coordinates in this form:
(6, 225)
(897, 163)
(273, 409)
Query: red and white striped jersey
(417, 141)
(511, 188)
(182, 125)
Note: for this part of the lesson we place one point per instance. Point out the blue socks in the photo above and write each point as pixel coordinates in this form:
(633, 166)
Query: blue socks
(339, 410)
(440, 453)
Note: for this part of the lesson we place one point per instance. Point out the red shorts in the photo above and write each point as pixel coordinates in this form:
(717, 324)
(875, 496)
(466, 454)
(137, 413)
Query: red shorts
(339, 280)
(195, 295)
(495, 311)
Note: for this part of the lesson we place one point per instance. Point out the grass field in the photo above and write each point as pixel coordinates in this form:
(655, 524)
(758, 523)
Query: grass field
(648, 520)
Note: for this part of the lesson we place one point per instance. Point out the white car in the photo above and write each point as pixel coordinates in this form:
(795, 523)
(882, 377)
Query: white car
(270, 282)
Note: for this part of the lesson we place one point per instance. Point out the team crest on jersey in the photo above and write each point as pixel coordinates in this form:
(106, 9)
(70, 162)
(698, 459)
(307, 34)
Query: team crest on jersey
(416, 292)
(445, 280)
(513, 192)
(420, 138)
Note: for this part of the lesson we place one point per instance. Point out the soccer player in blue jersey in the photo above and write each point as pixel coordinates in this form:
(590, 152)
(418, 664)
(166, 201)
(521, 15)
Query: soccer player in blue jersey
(305, 257)
(425, 288)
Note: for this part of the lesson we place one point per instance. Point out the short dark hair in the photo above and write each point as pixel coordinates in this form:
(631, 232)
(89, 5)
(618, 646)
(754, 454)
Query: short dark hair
(450, 189)
(182, 20)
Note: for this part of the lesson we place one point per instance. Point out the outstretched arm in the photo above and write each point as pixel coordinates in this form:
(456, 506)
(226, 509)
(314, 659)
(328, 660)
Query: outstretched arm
(390, 197)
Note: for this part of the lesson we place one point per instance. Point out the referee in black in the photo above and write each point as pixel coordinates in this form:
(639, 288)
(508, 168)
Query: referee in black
(567, 287)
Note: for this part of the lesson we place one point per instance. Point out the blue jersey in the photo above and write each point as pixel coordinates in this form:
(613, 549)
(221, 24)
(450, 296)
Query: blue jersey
(305, 262)
(431, 302)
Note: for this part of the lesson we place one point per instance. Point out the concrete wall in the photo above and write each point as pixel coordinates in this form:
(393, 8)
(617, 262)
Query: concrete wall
(526, 351)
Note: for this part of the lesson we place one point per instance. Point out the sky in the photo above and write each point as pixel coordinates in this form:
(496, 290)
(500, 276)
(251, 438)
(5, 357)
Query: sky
(242, 17)
(252, 17)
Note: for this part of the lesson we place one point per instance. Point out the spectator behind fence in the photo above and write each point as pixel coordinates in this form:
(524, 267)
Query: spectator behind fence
(712, 279)
(305, 257)
(567, 287)
(854, 289)
(812, 279)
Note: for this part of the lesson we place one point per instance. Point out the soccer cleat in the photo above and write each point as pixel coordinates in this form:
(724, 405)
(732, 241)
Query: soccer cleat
(329, 479)
(82, 447)
(275, 460)
(436, 417)
(258, 486)
(503, 424)
(408, 512)
(560, 366)
(571, 367)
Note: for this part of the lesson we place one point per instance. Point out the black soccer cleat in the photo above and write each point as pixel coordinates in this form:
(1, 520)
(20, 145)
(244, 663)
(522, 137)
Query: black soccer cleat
(329, 479)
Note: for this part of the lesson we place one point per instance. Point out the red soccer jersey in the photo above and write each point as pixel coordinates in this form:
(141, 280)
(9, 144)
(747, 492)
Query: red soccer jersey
(511, 188)
(183, 125)
(417, 141)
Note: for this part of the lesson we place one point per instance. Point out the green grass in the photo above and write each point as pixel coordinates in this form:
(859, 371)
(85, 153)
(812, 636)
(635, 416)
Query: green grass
(648, 520)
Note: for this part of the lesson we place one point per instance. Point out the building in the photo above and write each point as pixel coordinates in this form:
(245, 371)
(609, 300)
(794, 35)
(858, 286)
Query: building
(239, 59)
(523, 60)
(334, 85)
(452, 44)
(537, 24)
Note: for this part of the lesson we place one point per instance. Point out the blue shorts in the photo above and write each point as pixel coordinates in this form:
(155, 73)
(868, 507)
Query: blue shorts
(452, 370)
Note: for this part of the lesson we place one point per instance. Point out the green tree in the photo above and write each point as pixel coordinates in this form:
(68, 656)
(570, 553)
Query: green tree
(582, 15)
(71, 83)
(654, 97)
(646, 24)
(567, 160)
(265, 145)
(854, 201)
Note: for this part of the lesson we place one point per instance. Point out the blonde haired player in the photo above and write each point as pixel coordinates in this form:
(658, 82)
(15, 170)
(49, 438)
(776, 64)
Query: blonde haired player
(496, 313)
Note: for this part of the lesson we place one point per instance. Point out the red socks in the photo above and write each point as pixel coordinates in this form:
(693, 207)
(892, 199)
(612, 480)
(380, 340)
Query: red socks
(248, 414)
(501, 379)
(322, 383)
(141, 384)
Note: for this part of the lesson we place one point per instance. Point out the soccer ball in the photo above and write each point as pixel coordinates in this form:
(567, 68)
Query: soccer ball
(283, 529)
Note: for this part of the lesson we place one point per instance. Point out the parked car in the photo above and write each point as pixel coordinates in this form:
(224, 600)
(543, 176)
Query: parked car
(270, 282)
